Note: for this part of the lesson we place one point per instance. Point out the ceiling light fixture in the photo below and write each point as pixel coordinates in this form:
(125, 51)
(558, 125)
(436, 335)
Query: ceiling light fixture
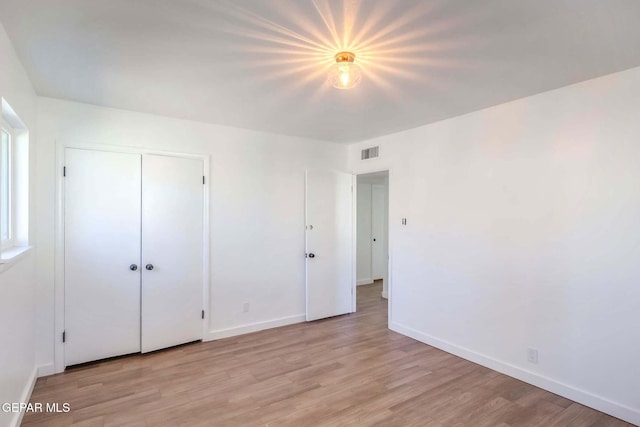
(344, 73)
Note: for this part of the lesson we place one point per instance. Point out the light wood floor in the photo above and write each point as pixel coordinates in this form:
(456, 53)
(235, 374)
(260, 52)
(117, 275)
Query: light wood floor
(348, 370)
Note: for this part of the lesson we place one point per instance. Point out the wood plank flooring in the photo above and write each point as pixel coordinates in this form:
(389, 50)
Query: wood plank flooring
(347, 370)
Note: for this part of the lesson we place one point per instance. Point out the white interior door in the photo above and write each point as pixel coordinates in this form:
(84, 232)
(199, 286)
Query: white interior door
(329, 243)
(172, 248)
(378, 231)
(102, 244)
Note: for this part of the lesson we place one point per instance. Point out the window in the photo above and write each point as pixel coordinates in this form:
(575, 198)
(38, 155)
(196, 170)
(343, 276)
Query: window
(6, 186)
(14, 188)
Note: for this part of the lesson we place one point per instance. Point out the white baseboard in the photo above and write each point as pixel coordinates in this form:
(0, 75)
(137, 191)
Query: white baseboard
(254, 327)
(46, 370)
(26, 395)
(586, 398)
(364, 282)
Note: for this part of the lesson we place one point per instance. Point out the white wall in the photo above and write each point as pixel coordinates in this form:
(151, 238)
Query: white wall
(523, 231)
(257, 208)
(17, 283)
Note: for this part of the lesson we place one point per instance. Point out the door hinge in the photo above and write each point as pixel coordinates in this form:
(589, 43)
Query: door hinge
(203, 314)
(64, 171)
(64, 336)
(202, 179)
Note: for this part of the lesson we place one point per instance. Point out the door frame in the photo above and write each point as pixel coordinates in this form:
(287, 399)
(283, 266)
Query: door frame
(389, 239)
(59, 232)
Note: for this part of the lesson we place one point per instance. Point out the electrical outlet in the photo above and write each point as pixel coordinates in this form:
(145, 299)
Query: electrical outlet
(245, 307)
(532, 355)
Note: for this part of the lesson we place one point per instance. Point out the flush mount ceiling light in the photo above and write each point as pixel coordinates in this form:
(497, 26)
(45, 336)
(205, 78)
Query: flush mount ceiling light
(344, 73)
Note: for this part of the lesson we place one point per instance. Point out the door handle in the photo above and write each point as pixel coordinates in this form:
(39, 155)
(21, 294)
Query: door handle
(133, 267)
(149, 267)
(312, 255)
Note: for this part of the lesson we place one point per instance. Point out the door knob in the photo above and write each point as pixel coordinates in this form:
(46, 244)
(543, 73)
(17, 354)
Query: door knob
(133, 267)
(374, 239)
(312, 255)
(149, 267)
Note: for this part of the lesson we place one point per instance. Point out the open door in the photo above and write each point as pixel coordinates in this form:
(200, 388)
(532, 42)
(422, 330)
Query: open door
(379, 257)
(329, 243)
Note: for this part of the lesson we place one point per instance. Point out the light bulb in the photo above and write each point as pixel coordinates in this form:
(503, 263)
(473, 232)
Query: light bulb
(344, 78)
(344, 73)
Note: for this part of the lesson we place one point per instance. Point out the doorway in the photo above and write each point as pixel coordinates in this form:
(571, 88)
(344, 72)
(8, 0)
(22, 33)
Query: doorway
(372, 231)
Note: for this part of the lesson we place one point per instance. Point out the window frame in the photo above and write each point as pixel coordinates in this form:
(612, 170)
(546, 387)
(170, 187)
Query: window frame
(10, 242)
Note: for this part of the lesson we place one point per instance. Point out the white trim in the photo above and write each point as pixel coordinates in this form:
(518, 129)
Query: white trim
(24, 398)
(354, 242)
(206, 246)
(58, 281)
(255, 327)
(6, 245)
(11, 256)
(46, 370)
(584, 397)
(306, 243)
(384, 295)
(58, 361)
(11, 117)
(389, 295)
(364, 282)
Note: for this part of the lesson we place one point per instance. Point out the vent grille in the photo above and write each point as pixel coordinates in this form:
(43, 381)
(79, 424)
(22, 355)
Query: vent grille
(369, 153)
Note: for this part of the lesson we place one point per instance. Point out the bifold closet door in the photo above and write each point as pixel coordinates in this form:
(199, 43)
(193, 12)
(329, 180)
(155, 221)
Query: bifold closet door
(102, 255)
(172, 251)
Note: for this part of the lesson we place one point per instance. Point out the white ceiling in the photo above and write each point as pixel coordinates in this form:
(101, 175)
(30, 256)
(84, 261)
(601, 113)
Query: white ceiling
(262, 64)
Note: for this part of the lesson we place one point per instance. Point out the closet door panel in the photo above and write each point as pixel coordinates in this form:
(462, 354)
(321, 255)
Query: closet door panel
(102, 242)
(172, 248)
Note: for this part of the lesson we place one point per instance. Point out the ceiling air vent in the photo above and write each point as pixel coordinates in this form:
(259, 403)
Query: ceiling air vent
(369, 153)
